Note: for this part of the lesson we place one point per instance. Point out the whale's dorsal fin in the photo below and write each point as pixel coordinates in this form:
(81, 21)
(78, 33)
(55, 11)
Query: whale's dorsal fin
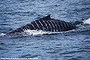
(46, 17)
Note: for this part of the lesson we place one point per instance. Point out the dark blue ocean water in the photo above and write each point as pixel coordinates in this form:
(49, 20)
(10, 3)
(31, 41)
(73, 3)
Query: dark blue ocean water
(64, 46)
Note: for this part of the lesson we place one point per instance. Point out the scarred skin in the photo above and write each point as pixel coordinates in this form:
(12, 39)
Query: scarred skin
(46, 24)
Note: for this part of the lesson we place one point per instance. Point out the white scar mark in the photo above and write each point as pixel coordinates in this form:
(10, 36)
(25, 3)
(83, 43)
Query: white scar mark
(53, 25)
(33, 26)
(37, 24)
(45, 24)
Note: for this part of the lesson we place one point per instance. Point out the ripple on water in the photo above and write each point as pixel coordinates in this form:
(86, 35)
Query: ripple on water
(29, 56)
(74, 59)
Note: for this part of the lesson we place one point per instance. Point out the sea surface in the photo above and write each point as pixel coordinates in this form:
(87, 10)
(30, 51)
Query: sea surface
(70, 45)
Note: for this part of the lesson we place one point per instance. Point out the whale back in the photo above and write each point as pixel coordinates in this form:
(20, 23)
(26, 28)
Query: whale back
(53, 25)
(46, 24)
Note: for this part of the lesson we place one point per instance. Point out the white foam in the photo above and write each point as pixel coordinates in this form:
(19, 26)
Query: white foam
(38, 32)
(87, 21)
(2, 34)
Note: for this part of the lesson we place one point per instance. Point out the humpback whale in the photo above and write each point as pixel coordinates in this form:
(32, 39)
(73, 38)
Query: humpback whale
(46, 24)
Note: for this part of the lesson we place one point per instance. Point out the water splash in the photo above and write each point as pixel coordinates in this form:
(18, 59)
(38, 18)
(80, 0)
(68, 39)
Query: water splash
(38, 32)
(87, 21)
(2, 34)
